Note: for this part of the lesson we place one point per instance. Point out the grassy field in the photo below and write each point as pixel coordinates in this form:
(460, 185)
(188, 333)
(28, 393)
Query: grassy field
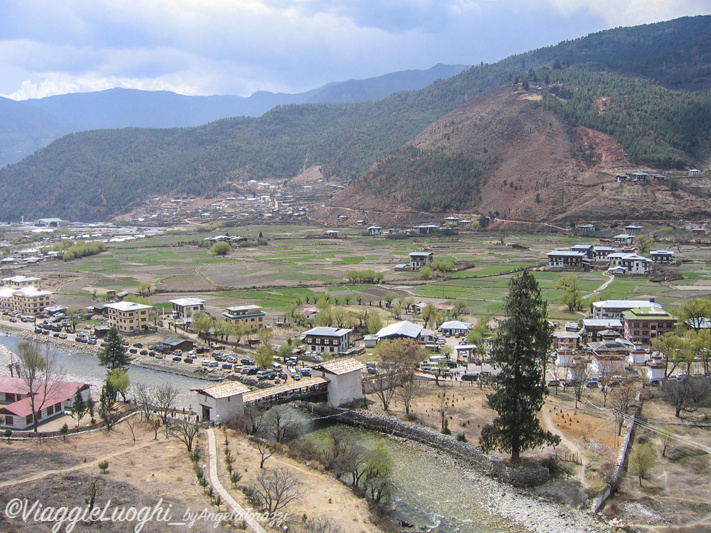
(298, 263)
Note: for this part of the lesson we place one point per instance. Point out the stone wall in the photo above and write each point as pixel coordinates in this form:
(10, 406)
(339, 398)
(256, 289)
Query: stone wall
(519, 477)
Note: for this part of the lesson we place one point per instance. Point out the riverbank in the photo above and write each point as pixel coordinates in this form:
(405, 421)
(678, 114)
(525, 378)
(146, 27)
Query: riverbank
(520, 505)
(72, 347)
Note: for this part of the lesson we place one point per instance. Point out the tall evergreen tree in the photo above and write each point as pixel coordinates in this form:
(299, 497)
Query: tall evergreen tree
(114, 354)
(519, 348)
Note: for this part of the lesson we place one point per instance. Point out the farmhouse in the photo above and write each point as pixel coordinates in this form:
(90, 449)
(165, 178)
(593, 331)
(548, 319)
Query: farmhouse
(566, 259)
(662, 256)
(128, 317)
(623, 238)
(252, 315)
(329, 340)
(630, 263)
(420, 259)
(51, 401)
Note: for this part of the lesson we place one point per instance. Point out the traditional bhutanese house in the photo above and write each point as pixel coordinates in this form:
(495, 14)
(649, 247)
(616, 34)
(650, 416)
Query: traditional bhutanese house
(662, 256)
(623, 238)
(427, 336)
(399, 330)
(631, 263)
(587, 249)
(221, 401)
(310, 312)
(694, 173)
(602, 252)
(50, 402)
(587, 227)
(647, 323)
(344, 376)
(375, 230)
(633, 229)
(187, 307)
(566, 340)
(572, 326)
(330, 340)
(252, 315)
(455, 327)
(593, 326)
(562, 259)
(420, 259)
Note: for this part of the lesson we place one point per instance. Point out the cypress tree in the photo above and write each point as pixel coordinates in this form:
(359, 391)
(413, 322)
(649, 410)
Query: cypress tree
(519, 349)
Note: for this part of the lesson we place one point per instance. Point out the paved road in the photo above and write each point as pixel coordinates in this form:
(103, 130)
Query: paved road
(226, 497)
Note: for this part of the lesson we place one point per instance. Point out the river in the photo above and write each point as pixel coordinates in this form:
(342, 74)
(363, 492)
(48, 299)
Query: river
(85, 368)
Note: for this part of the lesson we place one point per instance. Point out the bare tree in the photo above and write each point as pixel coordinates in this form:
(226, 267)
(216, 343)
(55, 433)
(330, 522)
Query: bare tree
(281, 424)
(678, 394)
(93, 492)
(252, 422)
(165, 402)
(322, 525)
(408, 388)
(263, 447)
(186, 429)
(579, 374)
(277, 488)
(620, 399)
(606, 370)
(131, 423)
(384, 384)
(143, 396)
(37, 367)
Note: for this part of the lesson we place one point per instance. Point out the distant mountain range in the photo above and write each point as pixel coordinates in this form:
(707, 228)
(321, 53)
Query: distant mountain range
(537, 136)
(28, 125)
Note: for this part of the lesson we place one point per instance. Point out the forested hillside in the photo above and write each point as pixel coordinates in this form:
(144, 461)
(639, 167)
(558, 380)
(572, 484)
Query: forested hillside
(98, 174)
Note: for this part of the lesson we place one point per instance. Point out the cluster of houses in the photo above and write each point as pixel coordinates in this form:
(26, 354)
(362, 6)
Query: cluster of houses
(624, 261)
(616, 338)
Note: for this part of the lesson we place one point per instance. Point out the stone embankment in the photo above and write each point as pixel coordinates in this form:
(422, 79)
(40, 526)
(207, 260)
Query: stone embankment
(508, 489)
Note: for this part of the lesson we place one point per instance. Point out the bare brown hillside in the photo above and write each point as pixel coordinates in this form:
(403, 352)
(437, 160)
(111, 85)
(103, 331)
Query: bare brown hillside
(547, 172)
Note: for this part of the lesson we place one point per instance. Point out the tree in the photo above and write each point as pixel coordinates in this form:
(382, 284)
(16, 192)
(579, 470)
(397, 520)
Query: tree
(579, 377)
(264, 357)
(106, 405)
(221, 248)
(430, 315)
(186, 429)
(202, 324)
(426, 272)
(113, 354)
(678, 394)
(79, 407)
(520, 348)
(670, 346)
(694, 312)
(281, 424)
(571, 291)
(277, 488)
(164, 397)
(374, 322)
(642, 460)
(399, 359)
(644, 243)
(620, 399)
(119, 382)
(378, 468)
(263, 447)
(37, 368)
(143, 396)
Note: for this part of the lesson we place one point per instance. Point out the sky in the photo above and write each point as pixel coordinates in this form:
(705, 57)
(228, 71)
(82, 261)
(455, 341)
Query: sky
(237, 47)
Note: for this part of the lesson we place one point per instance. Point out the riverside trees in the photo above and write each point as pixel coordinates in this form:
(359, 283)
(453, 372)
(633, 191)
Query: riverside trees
(520, 349)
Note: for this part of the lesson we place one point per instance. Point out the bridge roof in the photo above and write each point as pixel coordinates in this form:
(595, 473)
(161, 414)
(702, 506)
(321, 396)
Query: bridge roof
(224, 389)
(291, 386)
(340, 366)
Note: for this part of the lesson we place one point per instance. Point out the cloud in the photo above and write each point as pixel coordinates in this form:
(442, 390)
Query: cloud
(240, 46)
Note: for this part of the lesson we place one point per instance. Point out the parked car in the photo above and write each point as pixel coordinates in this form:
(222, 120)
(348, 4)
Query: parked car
(246, 361)
(227, 366)
(188, 360)
(213, 364)
(470, 377)
(266, 374)
(177, 358)
(306, 372)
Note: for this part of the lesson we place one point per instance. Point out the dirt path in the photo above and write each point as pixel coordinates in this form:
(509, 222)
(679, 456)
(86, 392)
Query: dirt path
(600, 288)
(82, 466)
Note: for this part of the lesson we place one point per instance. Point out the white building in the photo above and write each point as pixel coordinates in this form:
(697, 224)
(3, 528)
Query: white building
(420, 259)
(187, 307)
(630, 263)
(344, 377)
(221, 401)
(330, 340)
(128, 317)
(615, 308)
(404, 329)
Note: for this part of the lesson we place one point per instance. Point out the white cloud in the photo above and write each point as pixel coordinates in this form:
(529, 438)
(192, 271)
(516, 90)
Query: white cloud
(633, 12)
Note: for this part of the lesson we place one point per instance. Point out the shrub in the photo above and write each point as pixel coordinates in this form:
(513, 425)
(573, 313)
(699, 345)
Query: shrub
(104, 466)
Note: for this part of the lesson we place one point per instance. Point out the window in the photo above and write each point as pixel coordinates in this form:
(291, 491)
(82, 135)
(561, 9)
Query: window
(9, 420)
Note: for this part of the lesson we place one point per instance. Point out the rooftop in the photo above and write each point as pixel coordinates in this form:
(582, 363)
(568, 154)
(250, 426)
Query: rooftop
(225, 389)
(128, 306)
(340, 366)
